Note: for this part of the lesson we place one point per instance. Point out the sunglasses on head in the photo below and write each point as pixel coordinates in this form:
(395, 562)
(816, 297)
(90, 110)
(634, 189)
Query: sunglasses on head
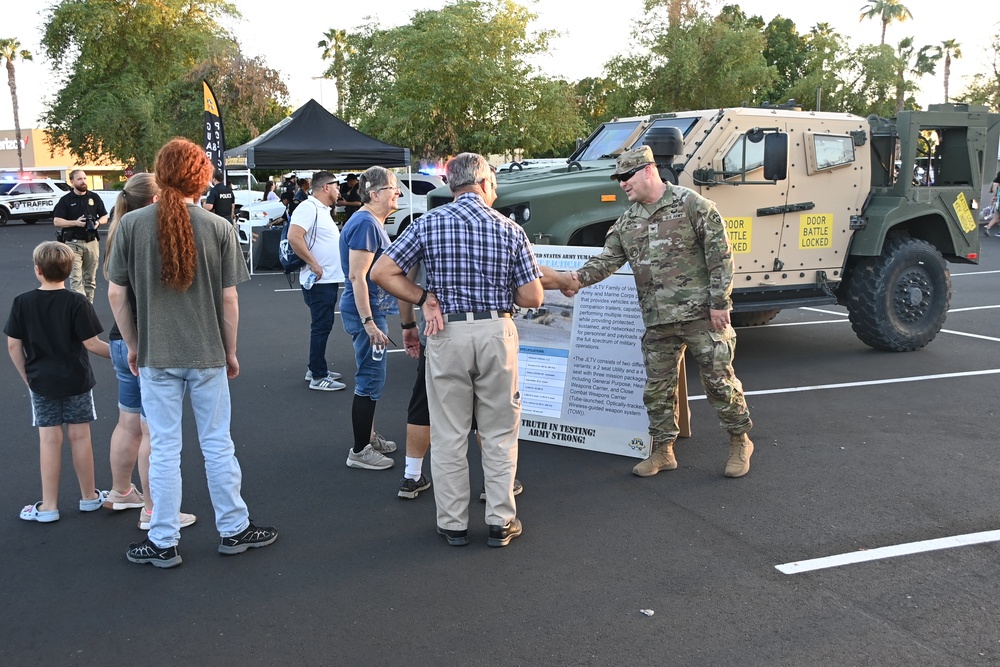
(621, 178)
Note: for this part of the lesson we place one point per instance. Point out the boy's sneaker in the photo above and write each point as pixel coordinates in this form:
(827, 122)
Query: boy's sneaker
(326, 384)
(147, 552)
(253, 537)
(381, 445)
(368, 459)
(146, 517)
(329, 374)
(124, 501)
(411, 488)
(95, 504)
(517, 490)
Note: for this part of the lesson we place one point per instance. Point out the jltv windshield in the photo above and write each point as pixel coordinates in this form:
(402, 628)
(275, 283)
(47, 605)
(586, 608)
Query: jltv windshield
(610, 137)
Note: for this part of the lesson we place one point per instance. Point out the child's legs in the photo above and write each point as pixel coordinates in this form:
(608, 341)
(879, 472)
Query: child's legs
(125, 444)
(125, 440)
(78, 412)
(83, 458)
(50, 455)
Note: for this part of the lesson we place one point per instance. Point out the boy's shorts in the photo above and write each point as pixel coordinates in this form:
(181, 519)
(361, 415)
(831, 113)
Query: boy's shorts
(47, 411)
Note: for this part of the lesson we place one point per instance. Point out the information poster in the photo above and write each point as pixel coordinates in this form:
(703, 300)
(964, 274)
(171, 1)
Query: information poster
(580, 367)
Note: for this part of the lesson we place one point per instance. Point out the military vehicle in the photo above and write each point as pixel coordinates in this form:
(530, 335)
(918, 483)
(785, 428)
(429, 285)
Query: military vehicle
(820, 207)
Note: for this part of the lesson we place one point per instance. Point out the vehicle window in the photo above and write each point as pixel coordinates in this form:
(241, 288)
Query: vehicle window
(63, 186)
(737, 162)
(422, 187)
(21, 189)
(833, 151)
(5, 188)
(682, 124)
(608, 137)
(42, 188)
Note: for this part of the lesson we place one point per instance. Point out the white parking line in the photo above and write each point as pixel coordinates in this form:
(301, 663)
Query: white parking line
(888, 552)
(866, 383)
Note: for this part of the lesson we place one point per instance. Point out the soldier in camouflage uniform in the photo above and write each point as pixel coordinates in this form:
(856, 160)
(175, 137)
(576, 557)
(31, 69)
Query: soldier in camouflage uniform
(682, 262)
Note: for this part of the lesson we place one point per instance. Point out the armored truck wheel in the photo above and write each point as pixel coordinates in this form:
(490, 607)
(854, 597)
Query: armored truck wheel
(753, 318)
(898, 301)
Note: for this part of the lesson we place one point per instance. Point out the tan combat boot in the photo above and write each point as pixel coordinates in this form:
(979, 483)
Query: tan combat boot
(740, 449)
(662, 458)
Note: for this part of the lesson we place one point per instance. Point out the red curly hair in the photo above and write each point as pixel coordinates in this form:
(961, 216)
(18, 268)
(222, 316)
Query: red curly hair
(182, 171)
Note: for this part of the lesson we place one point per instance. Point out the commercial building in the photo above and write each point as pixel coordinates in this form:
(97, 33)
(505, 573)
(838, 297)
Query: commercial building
(42, 161)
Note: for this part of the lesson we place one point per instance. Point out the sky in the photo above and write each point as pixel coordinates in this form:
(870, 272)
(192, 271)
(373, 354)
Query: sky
(590, 34)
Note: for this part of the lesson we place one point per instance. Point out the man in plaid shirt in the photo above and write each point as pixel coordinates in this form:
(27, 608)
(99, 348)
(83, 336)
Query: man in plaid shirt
(479, 265)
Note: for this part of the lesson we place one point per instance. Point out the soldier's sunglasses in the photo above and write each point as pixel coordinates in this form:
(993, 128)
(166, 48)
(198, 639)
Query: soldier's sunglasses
(621, 178)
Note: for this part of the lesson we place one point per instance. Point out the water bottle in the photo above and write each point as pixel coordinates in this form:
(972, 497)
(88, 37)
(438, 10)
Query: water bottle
(310, 280)
(378, 351)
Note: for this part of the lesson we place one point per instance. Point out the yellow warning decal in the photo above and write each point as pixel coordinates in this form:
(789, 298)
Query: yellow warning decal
(815, 231)
(611, 198)
(965, 218)
(740, 232)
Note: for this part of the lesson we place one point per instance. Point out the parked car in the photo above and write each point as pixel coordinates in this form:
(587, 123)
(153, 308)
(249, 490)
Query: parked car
(412, 204)
(29, 201)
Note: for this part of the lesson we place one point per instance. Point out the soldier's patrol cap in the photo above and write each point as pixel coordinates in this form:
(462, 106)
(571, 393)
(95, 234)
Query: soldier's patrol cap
(633, 158)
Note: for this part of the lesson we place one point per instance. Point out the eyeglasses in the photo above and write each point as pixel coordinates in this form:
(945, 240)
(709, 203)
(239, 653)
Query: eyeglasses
(388, 187)
(621, 178)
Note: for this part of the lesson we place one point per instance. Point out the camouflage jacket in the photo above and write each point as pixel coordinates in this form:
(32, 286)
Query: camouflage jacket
(680, 255)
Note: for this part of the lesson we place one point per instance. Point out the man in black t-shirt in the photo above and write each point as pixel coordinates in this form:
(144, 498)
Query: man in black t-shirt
(350, 198)
(79, 214)
(220, 197)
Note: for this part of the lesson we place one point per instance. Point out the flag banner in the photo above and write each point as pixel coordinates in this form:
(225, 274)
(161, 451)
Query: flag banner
(215, 137)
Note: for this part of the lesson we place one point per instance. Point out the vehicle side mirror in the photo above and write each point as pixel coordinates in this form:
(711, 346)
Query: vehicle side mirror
(776, 156)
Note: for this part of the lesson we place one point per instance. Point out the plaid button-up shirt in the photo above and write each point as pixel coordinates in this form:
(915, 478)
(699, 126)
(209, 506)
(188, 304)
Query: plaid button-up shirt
(474, 257)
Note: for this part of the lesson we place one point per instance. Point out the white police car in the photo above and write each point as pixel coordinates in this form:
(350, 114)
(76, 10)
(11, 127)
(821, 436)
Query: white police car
(29, 201)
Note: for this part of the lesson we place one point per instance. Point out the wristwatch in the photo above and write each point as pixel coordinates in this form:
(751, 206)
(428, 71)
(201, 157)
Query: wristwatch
(366, 320)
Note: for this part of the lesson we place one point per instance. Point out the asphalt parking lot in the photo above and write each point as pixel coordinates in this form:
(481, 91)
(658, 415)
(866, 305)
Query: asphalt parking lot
(855, 450)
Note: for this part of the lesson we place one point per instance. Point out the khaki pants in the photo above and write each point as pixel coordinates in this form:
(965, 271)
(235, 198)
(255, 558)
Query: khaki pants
(472, 369)
(86, 255)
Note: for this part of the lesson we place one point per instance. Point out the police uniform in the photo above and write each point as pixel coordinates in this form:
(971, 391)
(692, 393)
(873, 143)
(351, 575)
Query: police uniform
(82, 240)
(682, 264)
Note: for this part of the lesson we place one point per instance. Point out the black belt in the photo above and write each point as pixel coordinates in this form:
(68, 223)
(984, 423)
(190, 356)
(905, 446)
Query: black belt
(481, 315)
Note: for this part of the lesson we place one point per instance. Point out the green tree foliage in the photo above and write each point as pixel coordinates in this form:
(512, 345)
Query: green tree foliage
(887, 11)
(337, 51)
(788, 52)
(458, 79)
(823, 55)
(10, 50)
(130, 75)
(699, 63)
(949, 49)
(984, 87)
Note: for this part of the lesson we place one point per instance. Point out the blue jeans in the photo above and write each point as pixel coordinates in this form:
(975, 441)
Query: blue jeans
(322, 302)
(370, 376)
(163, 391)
(129, 395)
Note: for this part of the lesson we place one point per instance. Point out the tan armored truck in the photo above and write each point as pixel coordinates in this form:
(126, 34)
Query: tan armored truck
(820, 207)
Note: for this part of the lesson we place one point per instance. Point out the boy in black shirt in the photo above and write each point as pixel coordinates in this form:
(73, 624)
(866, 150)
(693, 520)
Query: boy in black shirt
(49, 332)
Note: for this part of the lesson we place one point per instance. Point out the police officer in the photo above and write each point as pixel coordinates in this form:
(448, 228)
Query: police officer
(79, 213)
(220, 197)
(682, 263)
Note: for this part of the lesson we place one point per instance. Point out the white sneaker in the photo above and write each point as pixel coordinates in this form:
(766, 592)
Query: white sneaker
(326, 384)
(124, 501)
(145, 517)
(368, 459)
(329, 374)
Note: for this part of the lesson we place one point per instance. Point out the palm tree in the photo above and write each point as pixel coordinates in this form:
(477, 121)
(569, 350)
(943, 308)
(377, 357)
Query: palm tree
(887, 11)
(949, 48)
(10, 48)
(335, 48)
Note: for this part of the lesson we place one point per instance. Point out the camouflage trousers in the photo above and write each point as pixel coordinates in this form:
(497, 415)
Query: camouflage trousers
(713, 351)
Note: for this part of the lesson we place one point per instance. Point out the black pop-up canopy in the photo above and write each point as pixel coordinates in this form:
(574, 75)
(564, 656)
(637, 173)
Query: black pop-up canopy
(313, 138)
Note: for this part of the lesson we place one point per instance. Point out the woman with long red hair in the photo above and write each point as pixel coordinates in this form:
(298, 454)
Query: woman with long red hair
(183, 263)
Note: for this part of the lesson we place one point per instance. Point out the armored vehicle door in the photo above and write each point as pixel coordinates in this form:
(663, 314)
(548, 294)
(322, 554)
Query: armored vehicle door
(795, 231)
